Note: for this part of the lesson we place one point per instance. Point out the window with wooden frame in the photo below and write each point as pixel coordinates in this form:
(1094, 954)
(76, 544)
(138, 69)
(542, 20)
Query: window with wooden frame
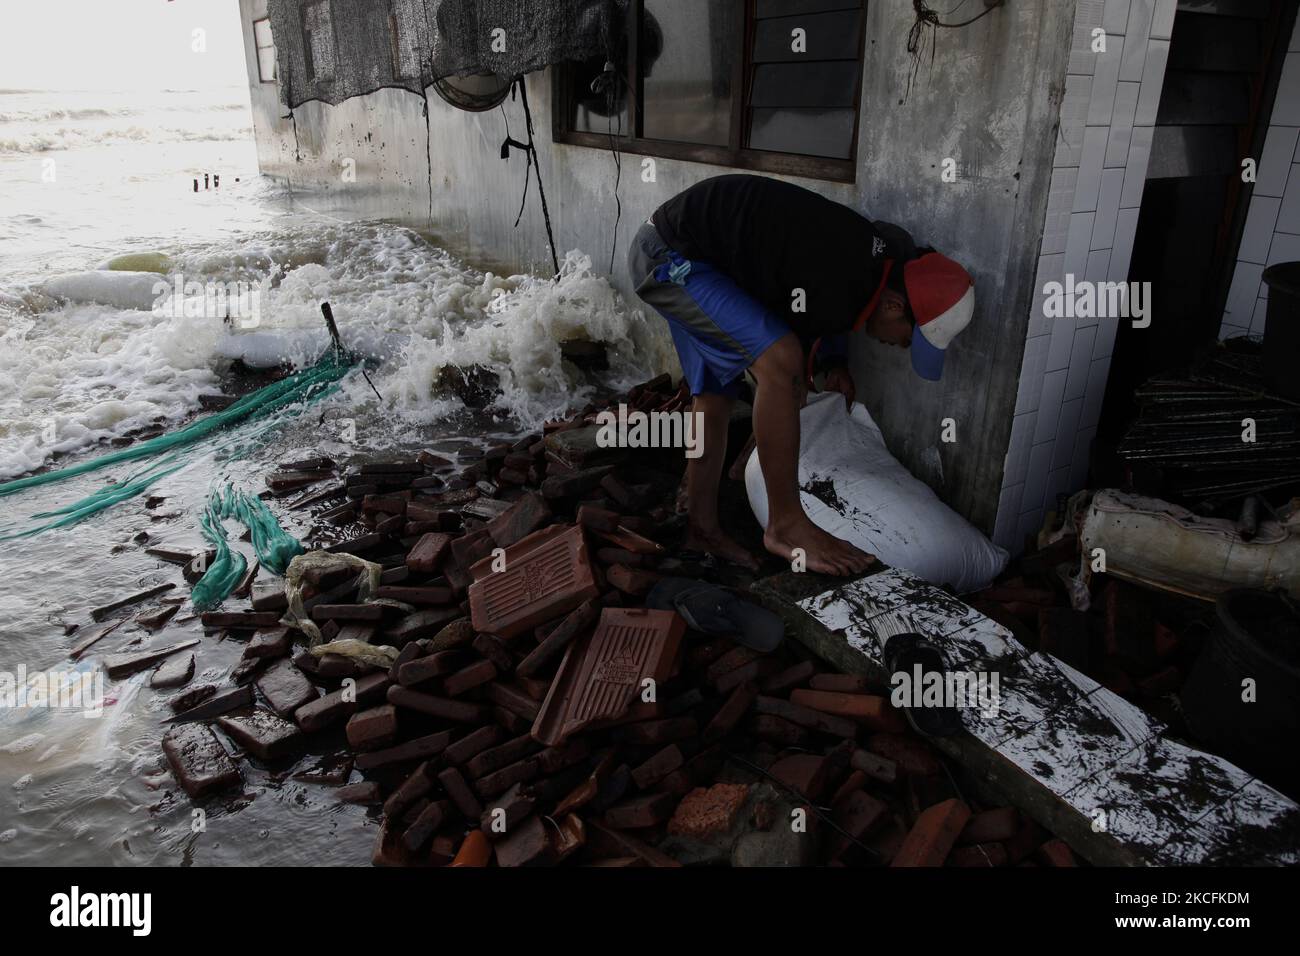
(265, 46)
(769, 85)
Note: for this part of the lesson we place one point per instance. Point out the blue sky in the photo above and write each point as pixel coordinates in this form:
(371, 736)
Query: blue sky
(119, 44)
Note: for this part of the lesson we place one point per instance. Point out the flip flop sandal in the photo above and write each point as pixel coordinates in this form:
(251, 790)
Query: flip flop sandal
(714, 610)
(903, 652)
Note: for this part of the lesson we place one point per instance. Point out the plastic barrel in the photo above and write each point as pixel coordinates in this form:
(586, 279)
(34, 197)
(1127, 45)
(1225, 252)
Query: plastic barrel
(1282, 328)
(1257, 638)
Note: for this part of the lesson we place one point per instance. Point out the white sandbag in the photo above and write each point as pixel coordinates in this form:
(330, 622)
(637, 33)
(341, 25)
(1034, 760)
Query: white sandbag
(121, 290)
(854, 488)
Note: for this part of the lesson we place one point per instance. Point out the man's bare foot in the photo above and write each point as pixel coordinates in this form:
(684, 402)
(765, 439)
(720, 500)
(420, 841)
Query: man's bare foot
(721, 545)
(822, 552)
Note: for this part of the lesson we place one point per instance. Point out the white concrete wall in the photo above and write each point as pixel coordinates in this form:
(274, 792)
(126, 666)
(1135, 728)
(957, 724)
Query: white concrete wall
(1272, 231)
(1107, 121)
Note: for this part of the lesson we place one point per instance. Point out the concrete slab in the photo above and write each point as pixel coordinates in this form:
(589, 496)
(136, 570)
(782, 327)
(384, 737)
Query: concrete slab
(1081, 760)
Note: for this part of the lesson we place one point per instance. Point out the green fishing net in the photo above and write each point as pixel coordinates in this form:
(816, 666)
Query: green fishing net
(274, 546)
(309, 385)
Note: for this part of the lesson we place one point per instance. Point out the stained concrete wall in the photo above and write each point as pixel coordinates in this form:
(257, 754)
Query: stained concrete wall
(989, 100)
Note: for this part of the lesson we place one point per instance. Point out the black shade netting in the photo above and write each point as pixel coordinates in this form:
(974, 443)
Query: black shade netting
(331, 50)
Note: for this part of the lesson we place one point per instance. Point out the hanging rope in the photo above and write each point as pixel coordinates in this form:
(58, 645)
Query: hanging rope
(530, 151)
(607, 83)
(926, 26)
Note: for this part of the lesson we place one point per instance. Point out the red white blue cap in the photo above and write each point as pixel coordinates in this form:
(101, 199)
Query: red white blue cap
(942, 296)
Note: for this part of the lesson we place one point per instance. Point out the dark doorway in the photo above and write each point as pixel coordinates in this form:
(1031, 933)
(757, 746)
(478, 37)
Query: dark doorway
(1225, 57)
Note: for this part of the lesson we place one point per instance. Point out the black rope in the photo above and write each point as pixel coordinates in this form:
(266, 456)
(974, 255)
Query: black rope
(916, 36)
(428, 152)
(530, 151)
(607, 83)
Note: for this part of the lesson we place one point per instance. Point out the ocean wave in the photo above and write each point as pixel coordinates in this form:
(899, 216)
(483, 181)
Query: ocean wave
(75, 375)
(71, 137)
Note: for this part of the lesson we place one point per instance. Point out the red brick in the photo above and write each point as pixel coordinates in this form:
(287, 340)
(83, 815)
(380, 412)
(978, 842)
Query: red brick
(640, 812)
(467, 678)
(471, 745)
(417, 784)
(429, 596)
(857, 814)
(372, 729)
(778, 730)
(910, 754)
(429, 552)
(528, 844)
(1056, 853)
(576, 623)
(520, 520)
(856, 780)
(657, 767)
(513, 699)
(726, 719)
(460, 794)
(887, 840)
(658, 732)
(787, 680)
(707, 812)
(806, 717)
(933, 835)
(457, 711)
(877, 713)
(421, 748)
(598, 519)
(424, 826)
(495, 650)
(840, 683)
(554, 759)
(324, 711)
(490, 761)
(505, 812)
(500, 781)
(874, 766)
(991, 826)
(806, 774)
(729, 661)
(428, 667)
(632, 581)
(753, 672)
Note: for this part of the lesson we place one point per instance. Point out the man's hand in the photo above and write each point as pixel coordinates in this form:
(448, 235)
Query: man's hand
(839, 380)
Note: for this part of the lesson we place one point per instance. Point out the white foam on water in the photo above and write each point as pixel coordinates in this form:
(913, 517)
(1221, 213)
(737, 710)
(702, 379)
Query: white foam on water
(74, 375)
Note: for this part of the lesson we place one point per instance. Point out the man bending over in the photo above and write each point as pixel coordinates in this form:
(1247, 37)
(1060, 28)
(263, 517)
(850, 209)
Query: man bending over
(753, 274)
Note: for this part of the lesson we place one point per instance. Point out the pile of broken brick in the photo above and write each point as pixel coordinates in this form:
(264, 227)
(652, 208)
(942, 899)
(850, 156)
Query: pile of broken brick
(538, 712)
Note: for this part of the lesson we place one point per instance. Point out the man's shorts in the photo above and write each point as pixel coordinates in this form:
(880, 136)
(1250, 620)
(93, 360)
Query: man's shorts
(718, 329)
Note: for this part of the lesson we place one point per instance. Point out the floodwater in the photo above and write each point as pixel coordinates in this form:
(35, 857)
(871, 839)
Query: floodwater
(84, 177)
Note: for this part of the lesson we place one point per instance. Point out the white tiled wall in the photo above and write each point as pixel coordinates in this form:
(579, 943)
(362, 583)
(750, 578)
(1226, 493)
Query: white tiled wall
(1108, 116)
(1272, 232)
